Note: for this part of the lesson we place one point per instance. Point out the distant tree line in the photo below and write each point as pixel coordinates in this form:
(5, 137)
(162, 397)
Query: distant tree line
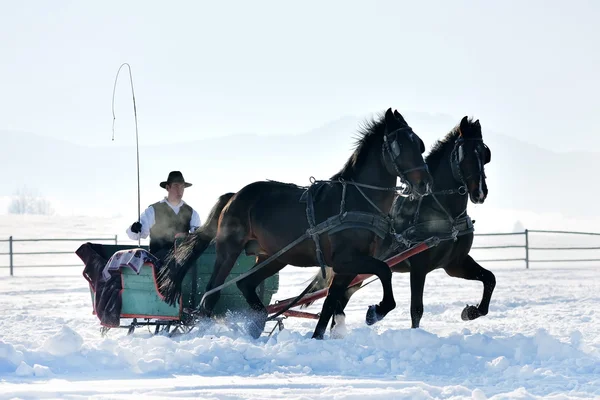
(28, 201)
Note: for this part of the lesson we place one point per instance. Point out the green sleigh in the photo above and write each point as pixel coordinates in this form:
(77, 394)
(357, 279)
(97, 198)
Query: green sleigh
(142, 303)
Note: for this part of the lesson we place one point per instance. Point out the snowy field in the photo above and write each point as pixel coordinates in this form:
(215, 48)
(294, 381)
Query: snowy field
(541, 338)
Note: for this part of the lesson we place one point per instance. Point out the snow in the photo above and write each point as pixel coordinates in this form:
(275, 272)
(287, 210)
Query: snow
(541, 338)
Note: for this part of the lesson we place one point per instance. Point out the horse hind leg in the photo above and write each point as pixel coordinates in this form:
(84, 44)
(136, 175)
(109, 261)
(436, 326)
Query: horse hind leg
(228, 248)
(471, 270)
(248, 285)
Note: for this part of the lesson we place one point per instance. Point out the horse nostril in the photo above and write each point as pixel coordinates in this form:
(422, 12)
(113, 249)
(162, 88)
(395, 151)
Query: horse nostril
(424, 187)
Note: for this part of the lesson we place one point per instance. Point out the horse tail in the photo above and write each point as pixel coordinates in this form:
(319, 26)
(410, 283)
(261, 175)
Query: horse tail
(179, 260)
(318, 283)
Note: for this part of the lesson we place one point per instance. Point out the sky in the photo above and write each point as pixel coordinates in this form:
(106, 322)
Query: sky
(209, 69)
(213, 69)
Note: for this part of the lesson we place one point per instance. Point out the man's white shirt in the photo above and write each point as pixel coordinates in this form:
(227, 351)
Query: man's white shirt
(147, 219)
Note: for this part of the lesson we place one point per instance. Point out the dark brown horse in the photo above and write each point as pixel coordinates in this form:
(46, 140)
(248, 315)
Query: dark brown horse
(335, 222)
(457, 165)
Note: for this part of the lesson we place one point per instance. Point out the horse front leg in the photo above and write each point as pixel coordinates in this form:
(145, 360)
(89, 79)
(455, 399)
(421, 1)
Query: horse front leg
(417, 285)
(471, 270)
(338, 321)
(364, 264)
(336, 292)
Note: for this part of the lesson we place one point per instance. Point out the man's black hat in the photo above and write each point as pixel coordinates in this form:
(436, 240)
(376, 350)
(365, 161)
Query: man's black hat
(174, 177)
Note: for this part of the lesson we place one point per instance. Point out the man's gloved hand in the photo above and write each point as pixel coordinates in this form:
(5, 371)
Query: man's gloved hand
(136, 227)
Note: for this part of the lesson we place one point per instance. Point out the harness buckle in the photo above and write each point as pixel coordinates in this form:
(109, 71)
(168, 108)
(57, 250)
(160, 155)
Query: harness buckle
(455, 232)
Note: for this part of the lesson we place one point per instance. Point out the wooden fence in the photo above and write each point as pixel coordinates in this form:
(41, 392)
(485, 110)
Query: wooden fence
(514, 247)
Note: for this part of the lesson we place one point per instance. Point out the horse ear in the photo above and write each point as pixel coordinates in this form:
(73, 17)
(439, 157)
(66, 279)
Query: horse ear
(464, 124)
(399, 117)
(390, 119)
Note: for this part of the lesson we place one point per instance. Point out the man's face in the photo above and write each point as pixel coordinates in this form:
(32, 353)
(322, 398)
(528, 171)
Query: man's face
(175, 191)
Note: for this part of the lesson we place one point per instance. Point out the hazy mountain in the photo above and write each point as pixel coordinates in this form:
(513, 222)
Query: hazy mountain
(78, 178)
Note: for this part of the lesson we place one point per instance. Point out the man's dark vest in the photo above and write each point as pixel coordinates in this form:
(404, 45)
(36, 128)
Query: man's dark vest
(167, 224)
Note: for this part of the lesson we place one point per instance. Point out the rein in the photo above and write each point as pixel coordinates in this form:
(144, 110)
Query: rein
(358, 185)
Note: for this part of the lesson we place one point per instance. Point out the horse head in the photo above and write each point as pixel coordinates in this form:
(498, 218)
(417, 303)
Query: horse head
(403, 155)
(469, 156)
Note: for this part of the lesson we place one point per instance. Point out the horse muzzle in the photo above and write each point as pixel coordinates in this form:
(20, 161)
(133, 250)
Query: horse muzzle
(477, 193)
(421, 182)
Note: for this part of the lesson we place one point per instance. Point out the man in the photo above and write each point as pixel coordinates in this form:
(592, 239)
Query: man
(166, 218)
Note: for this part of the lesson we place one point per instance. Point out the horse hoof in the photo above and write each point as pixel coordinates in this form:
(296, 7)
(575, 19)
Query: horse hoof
(202, 314)
(318, 335)
(255, 323)
(256, 327)
(373, 316)
(470, 313)
(339, 330)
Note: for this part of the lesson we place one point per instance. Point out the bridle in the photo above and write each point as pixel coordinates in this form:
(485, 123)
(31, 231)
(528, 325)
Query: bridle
(393, 149)
(455, 160)
(461, 190)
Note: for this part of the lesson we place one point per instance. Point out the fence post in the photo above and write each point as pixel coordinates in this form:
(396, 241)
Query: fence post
(526, 248)
(116, 239)
(10, 251)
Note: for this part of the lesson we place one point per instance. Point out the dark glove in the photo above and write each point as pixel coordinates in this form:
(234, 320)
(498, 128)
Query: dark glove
(136, 227)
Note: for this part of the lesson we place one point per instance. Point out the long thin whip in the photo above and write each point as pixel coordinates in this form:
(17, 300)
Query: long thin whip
(136, 129)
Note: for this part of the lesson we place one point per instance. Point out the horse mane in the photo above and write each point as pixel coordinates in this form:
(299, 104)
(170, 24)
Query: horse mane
(367, 136)
(438, 149)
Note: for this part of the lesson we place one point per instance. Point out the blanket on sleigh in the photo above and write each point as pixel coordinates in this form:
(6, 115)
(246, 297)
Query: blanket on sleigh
(104, 276)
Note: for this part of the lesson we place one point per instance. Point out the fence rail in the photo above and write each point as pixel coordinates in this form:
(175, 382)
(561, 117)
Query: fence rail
(524, 245)
(528, 248)
(11, 253)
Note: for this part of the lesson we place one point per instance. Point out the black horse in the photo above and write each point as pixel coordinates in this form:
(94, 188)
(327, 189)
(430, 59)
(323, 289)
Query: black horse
(457, 165)
(335, 223)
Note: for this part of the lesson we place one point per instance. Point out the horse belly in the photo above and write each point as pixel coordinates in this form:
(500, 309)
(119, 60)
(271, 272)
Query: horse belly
(302, 254)
(275, 222)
